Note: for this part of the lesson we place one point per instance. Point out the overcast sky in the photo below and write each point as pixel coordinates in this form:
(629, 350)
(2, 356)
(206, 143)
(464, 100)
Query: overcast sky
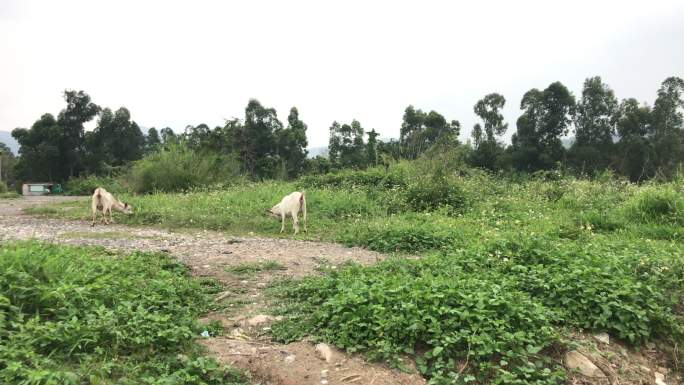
(178, 63)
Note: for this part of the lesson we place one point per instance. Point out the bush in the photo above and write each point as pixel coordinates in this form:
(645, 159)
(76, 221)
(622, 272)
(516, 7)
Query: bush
(178, 168)
(73, 315)
(3, 187)
(427, 194)
(86, 185)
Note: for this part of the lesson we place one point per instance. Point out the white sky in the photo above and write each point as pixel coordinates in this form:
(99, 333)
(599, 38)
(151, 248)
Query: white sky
(178, 63)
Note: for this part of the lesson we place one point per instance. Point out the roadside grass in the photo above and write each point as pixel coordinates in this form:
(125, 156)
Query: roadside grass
(77, 315)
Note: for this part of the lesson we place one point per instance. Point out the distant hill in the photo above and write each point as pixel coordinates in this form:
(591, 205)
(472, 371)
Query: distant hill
(6, 137)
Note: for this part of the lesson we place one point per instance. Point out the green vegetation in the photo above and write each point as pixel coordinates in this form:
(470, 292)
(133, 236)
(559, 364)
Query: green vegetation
(508, 266)
(180, 168)
(255, 267)
(71, 315)
(9, 195)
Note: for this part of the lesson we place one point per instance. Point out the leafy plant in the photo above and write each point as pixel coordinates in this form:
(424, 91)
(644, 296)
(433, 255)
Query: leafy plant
(74, 315)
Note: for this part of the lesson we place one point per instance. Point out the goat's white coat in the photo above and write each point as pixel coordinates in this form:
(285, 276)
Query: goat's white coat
(290, 205)
(105, 201)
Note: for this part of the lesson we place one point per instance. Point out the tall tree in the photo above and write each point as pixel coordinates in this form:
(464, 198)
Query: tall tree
(292, 146)
(595, 123)
(420, 131)
(7, 163)
(115, 141)
(39, 150)
(546, 117)
(372, 148)
(487, 148)
(167, 135)
(346, 146)
(152, 140)
(667, 130)
(634, 152)
(79, 110)
(256, 142)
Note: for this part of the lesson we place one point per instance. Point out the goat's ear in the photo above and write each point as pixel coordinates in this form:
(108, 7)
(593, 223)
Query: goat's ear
(125, 204)
(268, 210)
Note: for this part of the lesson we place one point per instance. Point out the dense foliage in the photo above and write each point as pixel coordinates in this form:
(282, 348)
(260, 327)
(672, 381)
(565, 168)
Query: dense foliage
(73, 315)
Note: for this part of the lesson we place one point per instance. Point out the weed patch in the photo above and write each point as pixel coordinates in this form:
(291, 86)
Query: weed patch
(73, 315)
(254, 268)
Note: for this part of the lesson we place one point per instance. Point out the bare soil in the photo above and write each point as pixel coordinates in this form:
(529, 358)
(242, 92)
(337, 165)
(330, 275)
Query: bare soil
(211, 254)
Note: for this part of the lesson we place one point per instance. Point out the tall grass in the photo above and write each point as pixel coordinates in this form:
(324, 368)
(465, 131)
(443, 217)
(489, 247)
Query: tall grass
(178, 168)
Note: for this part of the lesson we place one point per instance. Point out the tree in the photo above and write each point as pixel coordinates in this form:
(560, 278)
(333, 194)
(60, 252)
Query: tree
(152, 140)
(199, 137)
(633, 149)
(168, 136)
(372, 148)
(115, 141)
(7, 163)
(346, 146)
(547, 116)
(667, 130)
(487, 148)
(255, 141)
(39, 150)
(292, 146)
(420, 131)
(595, 121)
(79, 110)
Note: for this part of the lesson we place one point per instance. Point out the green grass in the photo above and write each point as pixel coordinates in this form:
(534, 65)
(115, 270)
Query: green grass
(74, 315)
(9, 195)
(254, 268)
(508, 266)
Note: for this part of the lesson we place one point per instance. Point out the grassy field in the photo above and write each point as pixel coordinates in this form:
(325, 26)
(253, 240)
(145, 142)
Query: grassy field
(71, 315)
(508, 267)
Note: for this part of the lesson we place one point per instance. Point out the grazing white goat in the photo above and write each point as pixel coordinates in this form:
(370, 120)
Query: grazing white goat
(291, 205)
(104, 201)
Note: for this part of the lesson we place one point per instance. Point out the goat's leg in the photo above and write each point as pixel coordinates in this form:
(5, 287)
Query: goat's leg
(282, 227)
(295, 222)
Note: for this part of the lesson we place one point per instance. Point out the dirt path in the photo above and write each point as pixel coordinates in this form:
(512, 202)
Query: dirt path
(225, 258)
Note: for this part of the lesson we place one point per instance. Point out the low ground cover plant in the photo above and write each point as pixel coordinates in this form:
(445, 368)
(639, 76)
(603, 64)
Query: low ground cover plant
(74, 315)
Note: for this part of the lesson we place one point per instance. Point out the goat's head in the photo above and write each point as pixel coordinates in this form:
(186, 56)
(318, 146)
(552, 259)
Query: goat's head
(126, 208)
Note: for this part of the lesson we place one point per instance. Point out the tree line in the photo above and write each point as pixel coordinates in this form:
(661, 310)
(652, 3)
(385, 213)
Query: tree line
(631, 139)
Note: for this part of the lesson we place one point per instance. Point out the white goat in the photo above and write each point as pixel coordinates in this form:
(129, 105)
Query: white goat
(104, 201)
(290, 205)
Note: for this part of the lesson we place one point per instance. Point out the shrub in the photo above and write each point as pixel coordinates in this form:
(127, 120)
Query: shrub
(86, 185)
(3, 187)
(427, 194)
(178, 168)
